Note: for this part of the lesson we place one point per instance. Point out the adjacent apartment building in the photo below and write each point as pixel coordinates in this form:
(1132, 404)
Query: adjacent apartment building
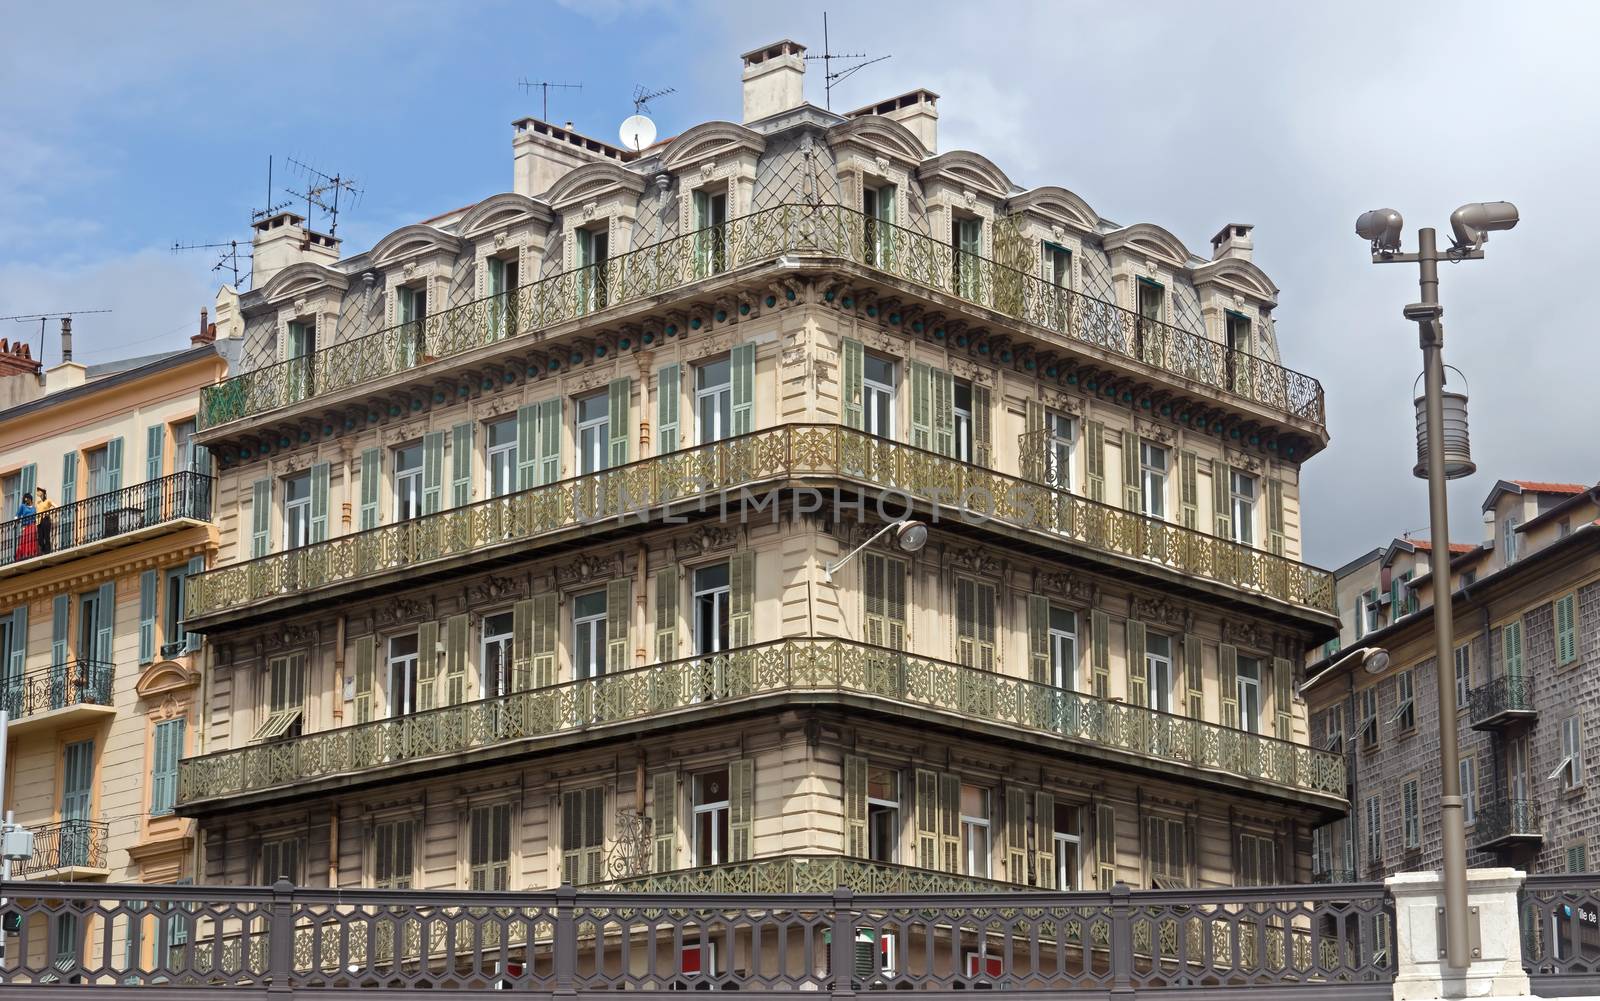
(1526, 602)
(561, 536)
(98, 673)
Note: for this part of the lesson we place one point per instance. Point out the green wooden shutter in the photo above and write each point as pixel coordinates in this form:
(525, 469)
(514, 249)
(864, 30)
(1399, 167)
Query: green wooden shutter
(17, 656)
(27, 480)
(742, 369)
(546, 630)
(666, 614)
(549, 442)
(427, 666)
(1511, 641)
(1275, 520)
(1105, 845)
(855, 806)
(527, 446)
(366, 665)
(114, 465)
(944, 412)
(1039, 638)
(1189, 489)
(1138, 668)
(852, 372)
(619, 394)
(950, 822)
(1044, 841)
(669, 379)
(1094, 460)
(155, 439)
(741, 809)
(60, 630)
(1036, 456)
(619, 615)
(319, 501)
(1566, 628)
(1222, 499)
(1194, 677)
(927, 818)
(461, 465)
(664, 820)
(1100, 652)
(105, 635)
(371, 486)
(432, 471)
(1228, 683)
(921, 405)
(69, 494)
(164, 766)
(522, 646)
(982, 426)
(1132, 495)
(455, 659)
(1016, 834)
(149, 592)
(197, 565)
(1282, 695)
(741, 599)
(260, 518)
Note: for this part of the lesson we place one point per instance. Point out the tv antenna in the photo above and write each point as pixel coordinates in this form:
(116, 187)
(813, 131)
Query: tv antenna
(643, 97)
(319, 188)
(66, 326)
(831, 76)
(271, 209)
(544, 89)
(228, 258)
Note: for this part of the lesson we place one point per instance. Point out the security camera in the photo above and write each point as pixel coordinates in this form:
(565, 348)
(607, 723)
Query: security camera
(1381, 228)
(1472, 223)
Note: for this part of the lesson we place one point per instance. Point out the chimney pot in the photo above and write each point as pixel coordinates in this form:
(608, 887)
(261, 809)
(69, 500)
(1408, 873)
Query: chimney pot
(66, 338)
(1233, 241)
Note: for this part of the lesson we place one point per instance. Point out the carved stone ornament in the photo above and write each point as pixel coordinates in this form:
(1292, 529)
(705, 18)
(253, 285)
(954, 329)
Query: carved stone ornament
(589, 209)
(410, 268)
(493, 589)
(1161, 610)
(292, 635)
(708, 168)
(300, 306)
(403, 610)
(971, 371)
(1247, 634)
(1064, 585)
(1243, 460)
(495, 407)
(299, 461)
(1065, 403)
(404, 432)
(592, 379)
(1238, 301)
(881, 163)
(969, 197)
(1058, 231)
(1163, 433)
(706, 539)
(975, 560)
(500, 239)
(588, 567)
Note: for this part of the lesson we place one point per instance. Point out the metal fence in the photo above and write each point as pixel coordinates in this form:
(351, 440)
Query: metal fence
(77, 682)
(1560, 917)
(1307, 942)
(107, 515)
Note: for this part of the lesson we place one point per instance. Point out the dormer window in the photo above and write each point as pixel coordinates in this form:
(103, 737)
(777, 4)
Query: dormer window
(1057, 265)
(594, 249)
(1152, 311)
(1237, 356)
(711, 233)
(966, 241)
(503, 278)
(298, 348)
(1508, 535)
(877, 204)
(413, 302)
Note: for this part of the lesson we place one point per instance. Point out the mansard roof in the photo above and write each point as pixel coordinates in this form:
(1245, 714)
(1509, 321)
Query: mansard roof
(592, 181)
(1057, 204)
(304, 278)
(412, 241)
(964, 167)
(1243, 274)
(498, 211)
(709, 141)
(1149, 238)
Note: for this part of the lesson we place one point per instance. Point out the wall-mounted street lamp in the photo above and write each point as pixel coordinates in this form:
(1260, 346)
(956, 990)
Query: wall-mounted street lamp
(910, 536)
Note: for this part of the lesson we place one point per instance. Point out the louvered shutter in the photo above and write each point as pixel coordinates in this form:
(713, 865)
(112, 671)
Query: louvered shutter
(666, 614)
(855, 806)
(742, 388)
(874, 626)
(668, 385)
(944, 412)
(427, 666)
(741, 599)
(1275, 520)
(1511, 641)
(1138, 667)
(1189, 489)
(549, 444)
(1566, 629)
(149, 591)
(371, 486)
(619, 614)
(592, 866)
(545, 633)
(461, 465)
(1222, 499)
(17, 657)
(1044, 841)
(1132, 495)
(950, 822)
(1094, 460)
(1282, 695)
(852, 366)
(982, 426)
(894, 603)
(572, 843)
(455, 659)
(1105, 845)
(664, 820)
(155, 441)
(320, 474)
(114, 465)
(260, 518)
(1039, 638)
(1100, 652)
(985, 623)
(1228, 683)
(1036, 457)
(741, 809)
(966, 621)
(366, 656)
(69, 494)
(1194, 677)
(618, 395)
(1016, 834)
(105, 634)
(60, 632)
(927, 815)
(522, 646)
(527, 446)
(921, 405)
(432, 471)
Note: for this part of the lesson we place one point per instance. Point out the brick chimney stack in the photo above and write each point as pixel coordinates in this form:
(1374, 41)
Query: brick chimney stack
(17, 359)
(207, 333)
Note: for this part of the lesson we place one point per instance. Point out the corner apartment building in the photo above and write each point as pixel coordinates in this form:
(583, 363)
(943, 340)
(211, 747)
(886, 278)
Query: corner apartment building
(98, 673)
(537, 519)
(1526, 602)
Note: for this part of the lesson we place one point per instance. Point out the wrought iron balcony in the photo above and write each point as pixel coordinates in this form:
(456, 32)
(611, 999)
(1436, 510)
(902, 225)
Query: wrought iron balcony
(76, 683)
(1508, 823)
(1333, 876)
(769, 673)
(789, 455)
(116, 515)
(1504, 702)
(70, 844)
(806, 874)
(830, 231)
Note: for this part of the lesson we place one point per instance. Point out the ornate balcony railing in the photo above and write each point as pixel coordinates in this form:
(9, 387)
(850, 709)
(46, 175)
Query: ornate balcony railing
(796, 666)
(105, 516)
(1333, 876)
(78, 682)
(1502, 700)
(1502, 822)
(786, 454)
(70, 844)
(1559, 914)
(807, 874)
(830, 230)
(1273, 940)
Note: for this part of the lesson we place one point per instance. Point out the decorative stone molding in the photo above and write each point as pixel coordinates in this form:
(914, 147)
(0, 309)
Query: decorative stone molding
(1155, 431)
(493, 589)
(1247, 461)
(1160, 609)
(1065, 585)
(1248, 634)
(292, 635)
(403, 610)
(396, 434)
(974, 560)
(1065, 403)
(705, 540)
(588, 567)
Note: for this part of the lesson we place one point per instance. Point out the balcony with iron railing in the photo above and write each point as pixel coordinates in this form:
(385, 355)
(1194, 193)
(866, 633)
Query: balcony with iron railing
(782, 457)
(65, 850)
(1503, 703)
(61, 694)
(112, 518)
(681, 693)
(1508, 824)
(785, 235)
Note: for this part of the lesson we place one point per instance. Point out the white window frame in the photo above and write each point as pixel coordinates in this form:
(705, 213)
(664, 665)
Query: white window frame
(889, 807)
(408, 483)
(590, 625)
(720, 395)
(977, 860)
(720, 595)
(1158, 673)
(1061, 842)
(593, 434)
(1064, 649)
(296, 511)
(1063, 434)
(400, 695)
(1248, 693)
(1242, 492)
(1154, 464)
(500, 460)
(963, 419)
(500, 644)
(878, 398)
(717, 851)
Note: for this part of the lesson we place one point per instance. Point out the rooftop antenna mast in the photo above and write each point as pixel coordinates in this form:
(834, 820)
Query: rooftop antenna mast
(66, 327)
(319, 187)
(228, 258)
(544, 89)
(643, 97)
(831, 76)
(271, 209)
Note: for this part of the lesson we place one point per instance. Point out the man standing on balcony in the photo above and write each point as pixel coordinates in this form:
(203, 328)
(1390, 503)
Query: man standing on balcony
(44, 506)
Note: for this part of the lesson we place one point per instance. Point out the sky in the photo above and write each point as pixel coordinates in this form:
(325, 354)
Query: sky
(127, 128)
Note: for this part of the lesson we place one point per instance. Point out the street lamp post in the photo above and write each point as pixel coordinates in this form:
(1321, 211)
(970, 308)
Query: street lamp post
(1471, 225)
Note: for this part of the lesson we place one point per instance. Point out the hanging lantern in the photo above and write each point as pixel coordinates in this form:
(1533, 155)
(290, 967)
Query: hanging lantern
(1457, 442)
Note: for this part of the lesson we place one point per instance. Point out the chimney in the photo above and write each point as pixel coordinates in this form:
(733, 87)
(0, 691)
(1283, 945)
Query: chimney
(283, 239)
(1233, 242)
(66, 338)
(16, 359)
(774, 79)
(207, 332)
(917, 111)
(228, 323)
(541, 154)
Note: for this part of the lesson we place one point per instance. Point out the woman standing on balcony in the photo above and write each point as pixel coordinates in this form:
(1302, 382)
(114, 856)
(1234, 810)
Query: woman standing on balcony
(28, 539)
(44, 507)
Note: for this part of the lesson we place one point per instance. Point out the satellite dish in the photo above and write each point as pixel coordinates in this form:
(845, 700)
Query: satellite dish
(638, 132)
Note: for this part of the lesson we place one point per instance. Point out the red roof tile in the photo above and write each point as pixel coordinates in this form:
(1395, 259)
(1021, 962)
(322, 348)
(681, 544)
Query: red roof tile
(1550, 488)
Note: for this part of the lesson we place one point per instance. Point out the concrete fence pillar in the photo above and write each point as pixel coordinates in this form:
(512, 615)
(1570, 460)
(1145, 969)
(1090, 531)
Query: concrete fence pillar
(1495, 971)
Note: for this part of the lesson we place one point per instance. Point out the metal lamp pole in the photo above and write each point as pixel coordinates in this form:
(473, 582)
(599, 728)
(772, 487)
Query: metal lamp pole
(1471, 224)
